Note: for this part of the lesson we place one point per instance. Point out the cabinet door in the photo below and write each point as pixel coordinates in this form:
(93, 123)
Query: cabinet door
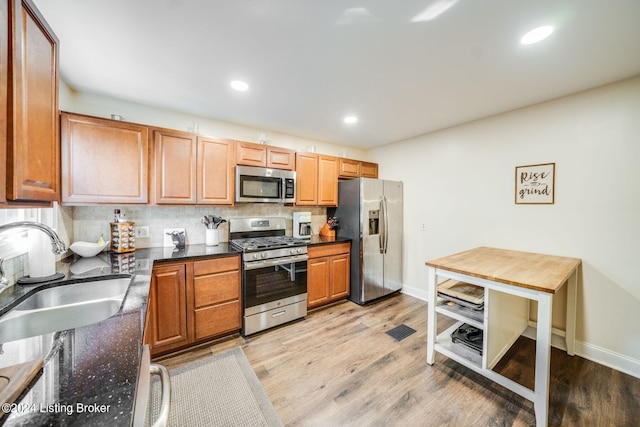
(327, 180)
(318, 276)
(175, 167)
(167, 307)
(33, 158)
(250, 154)
(103, 161)
(281, 158)
(216, 159)
(306, 179)
(349, 168)
(339, 277)
(4, 72)
(369, 170)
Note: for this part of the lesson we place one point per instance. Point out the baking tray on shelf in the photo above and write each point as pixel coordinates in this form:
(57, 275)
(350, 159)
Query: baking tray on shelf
(464, 294)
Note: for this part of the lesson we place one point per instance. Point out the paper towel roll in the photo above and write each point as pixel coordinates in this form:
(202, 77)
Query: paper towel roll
(42, 260)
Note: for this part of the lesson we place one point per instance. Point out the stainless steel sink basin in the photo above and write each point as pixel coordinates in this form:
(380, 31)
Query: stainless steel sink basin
(63, 307)
(76, 293)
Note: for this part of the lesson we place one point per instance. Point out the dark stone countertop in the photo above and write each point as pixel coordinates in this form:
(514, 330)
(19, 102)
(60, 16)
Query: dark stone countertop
(317, 239)
(90, 372)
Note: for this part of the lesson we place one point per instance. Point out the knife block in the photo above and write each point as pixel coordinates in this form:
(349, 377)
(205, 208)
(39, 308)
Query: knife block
(327, 232)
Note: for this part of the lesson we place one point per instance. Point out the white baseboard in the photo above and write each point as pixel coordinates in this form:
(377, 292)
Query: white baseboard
(605, 357)
(596, 354)
(415, 292)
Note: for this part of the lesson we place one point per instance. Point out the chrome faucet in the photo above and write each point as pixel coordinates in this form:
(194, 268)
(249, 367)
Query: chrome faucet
(57, 245)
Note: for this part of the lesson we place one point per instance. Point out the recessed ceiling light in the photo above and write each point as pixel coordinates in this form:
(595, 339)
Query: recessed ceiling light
(537, 34)
(350, 119)
(239, 85)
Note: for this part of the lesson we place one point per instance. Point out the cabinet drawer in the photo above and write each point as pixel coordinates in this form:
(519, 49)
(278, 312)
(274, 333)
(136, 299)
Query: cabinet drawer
(216, 265)
(328, 250)
(216, 288)
(217, 319)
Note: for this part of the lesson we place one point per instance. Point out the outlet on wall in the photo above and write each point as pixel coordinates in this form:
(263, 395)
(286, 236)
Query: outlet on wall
(142, 231)
(423, 226)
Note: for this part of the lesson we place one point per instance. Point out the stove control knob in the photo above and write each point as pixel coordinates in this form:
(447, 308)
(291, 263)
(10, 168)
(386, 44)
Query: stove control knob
(299, 250)
(255, 256)
(292, 251)
(263, 254)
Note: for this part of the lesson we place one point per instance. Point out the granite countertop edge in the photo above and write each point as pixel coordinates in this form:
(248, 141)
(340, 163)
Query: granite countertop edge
(105, 370)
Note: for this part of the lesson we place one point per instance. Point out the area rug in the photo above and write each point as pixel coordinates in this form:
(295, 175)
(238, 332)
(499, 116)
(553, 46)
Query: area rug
(221, 390)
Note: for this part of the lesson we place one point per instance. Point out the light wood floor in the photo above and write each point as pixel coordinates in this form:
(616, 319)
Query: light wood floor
(339, 368)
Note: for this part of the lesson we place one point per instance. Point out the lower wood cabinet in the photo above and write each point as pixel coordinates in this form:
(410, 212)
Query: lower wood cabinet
(166, 310)
(193, 301)
(328, 274)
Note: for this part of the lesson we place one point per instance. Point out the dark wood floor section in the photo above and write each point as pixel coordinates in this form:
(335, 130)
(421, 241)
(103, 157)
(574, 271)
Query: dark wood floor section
(339, 368)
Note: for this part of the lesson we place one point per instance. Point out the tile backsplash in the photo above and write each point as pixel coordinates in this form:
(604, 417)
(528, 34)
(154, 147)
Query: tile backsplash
(90, 222)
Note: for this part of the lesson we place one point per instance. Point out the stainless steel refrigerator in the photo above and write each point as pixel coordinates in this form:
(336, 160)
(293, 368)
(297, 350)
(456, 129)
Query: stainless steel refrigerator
(370, 214)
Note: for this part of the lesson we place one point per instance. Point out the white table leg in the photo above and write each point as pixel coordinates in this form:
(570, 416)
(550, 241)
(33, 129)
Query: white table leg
(543, 358)
(572, 301)
(432, 327)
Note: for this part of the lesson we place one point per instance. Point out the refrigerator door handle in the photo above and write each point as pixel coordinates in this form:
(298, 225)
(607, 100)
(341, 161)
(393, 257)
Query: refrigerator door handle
(382, 226)
(386, 224)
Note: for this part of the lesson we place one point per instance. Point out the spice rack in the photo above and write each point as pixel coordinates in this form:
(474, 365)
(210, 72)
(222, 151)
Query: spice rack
(122, 237)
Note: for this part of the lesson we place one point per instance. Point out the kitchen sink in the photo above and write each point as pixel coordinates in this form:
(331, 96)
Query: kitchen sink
(75, 293)
(63, 307)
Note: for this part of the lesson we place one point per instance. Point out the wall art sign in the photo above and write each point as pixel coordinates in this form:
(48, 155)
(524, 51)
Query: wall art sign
(535, 184)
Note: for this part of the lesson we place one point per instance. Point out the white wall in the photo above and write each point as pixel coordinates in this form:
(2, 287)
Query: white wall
(101, 106)
(460, 182)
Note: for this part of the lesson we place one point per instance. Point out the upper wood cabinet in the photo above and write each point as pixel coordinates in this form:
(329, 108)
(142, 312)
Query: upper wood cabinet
(175, 166)
(4, 83)
(192, 169)
(306, 179)
(250, 154)
(103, 161)
(29, 94)
(316, 180)
(349, 168)
(369, 170)
(327, 180)
(215, 179)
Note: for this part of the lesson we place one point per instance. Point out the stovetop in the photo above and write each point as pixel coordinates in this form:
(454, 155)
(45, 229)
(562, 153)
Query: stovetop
(267, 242)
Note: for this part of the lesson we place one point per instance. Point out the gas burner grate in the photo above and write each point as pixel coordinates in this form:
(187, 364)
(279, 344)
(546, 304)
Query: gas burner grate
(267, 242)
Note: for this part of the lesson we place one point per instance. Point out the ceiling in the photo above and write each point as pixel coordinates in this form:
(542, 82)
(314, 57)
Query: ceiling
(310, 63)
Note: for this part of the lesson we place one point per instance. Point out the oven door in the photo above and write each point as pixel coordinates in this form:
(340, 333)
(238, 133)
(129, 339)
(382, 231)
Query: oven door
(272, 280)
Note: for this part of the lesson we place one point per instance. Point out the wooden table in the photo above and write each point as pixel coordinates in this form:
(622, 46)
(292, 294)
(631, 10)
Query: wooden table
(510, 279)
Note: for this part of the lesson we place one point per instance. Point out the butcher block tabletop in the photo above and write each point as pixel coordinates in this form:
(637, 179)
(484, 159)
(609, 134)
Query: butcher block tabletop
(546, 273)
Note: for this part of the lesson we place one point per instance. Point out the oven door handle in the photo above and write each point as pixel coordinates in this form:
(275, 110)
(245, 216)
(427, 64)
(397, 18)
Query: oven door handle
(254, 265)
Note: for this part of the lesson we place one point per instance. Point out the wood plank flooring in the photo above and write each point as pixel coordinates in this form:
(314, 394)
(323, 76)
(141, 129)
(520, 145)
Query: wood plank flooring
(338, 367)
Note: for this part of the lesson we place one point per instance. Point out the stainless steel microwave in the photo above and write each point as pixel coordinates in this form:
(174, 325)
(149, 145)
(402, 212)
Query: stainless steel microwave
(265, 185)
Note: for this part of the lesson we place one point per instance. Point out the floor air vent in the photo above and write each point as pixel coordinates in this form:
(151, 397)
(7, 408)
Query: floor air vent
(400, 332)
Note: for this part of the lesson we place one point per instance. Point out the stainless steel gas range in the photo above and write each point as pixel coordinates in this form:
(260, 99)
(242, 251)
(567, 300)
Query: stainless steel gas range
(274, 272)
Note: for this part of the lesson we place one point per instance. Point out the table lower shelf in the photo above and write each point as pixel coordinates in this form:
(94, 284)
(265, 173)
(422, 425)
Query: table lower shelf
(472, 360)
